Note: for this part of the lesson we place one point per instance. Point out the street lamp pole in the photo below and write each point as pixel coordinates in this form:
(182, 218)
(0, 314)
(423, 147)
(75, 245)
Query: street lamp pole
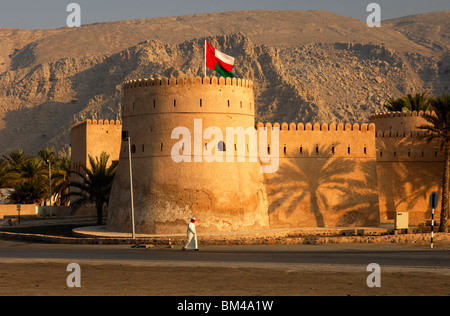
(127, 138)
(50, 184)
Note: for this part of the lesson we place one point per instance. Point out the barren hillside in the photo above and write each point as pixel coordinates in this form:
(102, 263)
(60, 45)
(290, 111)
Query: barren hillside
(307, 66)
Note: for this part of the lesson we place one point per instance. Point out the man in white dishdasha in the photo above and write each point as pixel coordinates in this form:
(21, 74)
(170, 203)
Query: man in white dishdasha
(191, 242)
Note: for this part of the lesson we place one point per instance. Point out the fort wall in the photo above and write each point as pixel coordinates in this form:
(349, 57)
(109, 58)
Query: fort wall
(409, 169)
(91, 138)
(223, 196)
(326, 176)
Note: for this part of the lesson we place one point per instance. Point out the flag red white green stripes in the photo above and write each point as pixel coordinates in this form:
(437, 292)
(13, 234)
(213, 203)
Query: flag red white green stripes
(218, 61)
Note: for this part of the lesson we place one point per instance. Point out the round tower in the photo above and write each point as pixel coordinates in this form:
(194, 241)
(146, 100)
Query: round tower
(399, 121)
(175, 178)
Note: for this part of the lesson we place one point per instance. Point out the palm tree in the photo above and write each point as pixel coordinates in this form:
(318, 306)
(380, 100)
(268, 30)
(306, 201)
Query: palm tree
(5, 174)
(95, 185)
(440, 130)
(15, 159)
(31, 183)
(33, 169)
(419, 102)
(47, 155)
(27, 192)
(61, 179)
(13, 162)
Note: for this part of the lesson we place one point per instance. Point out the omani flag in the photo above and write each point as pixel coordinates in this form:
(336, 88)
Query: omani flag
(219, 62)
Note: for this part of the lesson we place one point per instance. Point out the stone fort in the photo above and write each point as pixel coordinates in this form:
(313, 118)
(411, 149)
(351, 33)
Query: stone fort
(328, 175)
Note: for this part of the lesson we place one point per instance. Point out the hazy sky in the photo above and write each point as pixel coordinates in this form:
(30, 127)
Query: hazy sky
(34, 14)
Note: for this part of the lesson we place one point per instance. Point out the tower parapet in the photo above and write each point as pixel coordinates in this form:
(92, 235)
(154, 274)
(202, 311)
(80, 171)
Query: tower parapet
(203, 95)
(399, 121)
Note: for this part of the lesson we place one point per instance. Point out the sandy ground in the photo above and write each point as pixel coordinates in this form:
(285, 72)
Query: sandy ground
(45, 277)
(49, 279)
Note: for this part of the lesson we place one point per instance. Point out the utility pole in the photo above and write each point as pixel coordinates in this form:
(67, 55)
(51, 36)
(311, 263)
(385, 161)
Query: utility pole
(50, 184)
(127, 138)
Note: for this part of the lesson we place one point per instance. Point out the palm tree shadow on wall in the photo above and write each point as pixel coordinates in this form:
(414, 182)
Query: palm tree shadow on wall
(321, 179)
(411, 190)
(402, 182)
(363, 207)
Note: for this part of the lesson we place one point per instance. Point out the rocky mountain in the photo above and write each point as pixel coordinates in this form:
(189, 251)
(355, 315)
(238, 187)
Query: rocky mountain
(307, 66)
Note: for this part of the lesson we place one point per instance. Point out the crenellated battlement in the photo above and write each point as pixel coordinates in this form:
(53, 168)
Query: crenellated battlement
(316, 127)
(103, 122)
(188, 81)
(399, 121)
(98, 122)
(401, 134)
(400, 146)
(399, 114)
(322, 140)
(195, 95)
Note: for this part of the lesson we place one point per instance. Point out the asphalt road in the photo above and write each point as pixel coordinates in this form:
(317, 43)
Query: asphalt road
(343, 256)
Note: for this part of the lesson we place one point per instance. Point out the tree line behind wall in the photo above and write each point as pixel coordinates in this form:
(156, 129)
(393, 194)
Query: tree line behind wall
(28, 177)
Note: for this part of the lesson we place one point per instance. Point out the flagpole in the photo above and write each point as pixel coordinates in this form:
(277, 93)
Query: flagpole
(205, 57)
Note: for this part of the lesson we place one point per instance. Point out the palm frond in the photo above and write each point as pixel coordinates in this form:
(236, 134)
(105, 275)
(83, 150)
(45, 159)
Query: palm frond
(95, 183)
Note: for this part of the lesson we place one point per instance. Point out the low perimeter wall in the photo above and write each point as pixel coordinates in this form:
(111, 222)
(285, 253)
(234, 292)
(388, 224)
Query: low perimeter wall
(11, 210)
(46, 211)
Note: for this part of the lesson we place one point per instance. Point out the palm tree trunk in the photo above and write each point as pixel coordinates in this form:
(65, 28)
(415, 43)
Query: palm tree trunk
(443, 228)
(99, 213)
(315, 209)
